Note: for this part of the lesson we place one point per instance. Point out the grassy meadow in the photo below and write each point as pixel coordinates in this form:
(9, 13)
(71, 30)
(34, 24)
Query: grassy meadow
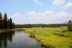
(52, 37)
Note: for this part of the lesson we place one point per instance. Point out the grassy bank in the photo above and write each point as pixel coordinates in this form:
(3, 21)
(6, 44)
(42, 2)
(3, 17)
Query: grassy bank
(52, 37)
(6, 30)
(18, 29)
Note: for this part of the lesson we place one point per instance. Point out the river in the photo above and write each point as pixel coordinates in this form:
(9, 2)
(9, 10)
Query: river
(18, 39)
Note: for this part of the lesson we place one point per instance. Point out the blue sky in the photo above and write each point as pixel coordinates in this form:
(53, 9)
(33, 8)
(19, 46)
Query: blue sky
(37, 11)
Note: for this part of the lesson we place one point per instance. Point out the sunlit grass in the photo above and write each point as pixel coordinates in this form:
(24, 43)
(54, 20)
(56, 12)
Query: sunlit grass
(52, 37)
(29, 30)
(1, 31)
(18, 29)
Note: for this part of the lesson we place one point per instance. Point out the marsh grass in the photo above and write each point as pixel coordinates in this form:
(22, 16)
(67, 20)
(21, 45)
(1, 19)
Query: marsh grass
(6, 30)
(52, 37)
(1, 31)
(18, 29)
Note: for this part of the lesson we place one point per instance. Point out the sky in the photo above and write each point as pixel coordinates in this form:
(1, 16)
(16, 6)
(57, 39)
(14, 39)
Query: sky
(37, 11)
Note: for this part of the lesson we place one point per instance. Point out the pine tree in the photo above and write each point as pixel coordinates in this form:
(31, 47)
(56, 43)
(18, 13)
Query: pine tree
(10, 23)
(5, 20)
(1, 26)
(13, 25)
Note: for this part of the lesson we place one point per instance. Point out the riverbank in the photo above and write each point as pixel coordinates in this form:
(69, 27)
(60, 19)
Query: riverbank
(6, 30)
(18, 29)
(52, 37)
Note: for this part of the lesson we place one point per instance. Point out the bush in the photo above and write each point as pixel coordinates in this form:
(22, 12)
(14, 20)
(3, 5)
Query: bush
(70, 25)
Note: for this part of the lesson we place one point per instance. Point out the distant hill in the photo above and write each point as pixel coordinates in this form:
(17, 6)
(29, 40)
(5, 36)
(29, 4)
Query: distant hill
(65, 22)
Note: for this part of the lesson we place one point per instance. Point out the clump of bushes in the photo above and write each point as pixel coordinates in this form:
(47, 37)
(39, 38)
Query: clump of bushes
(70, 25)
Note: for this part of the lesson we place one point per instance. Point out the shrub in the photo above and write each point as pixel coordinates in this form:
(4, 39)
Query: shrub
(70, 25)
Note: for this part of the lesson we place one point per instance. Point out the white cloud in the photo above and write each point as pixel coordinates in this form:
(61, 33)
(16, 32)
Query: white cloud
(50, 17)
(32, 13)
(44, 17)
(68, 5)
(62, 14)
(37, 2)
(58, 2)
(18, 18)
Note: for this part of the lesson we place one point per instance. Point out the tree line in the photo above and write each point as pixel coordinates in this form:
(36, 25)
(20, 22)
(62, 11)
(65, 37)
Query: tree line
(68, 25)
(6, 23)
(38, 25)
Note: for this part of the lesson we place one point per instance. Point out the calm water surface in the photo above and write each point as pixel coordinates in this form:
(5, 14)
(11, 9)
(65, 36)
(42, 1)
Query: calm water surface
(18, 39)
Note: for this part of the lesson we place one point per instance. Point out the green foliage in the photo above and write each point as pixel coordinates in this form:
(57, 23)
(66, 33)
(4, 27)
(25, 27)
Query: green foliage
(38, 25)
(13, 25)
(10, 23)
(5, 20)
(1, 23)
(70, 25)
(6, 23)
(48, 38)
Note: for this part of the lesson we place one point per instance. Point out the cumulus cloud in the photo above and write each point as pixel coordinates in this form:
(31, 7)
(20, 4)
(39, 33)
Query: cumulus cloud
(62, 14)
(50, 17)
(58, 2)
(33, 13)
(68, 5)
(37, 2)
(42, 17)
(18, 18)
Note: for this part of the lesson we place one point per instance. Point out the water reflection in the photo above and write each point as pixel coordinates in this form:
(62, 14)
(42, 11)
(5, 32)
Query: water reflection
(18, 39)
(4, 37)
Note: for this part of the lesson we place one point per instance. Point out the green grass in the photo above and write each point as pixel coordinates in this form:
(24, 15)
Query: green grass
(6, 30)
(18, 29)
(52, 37)
(2, 30)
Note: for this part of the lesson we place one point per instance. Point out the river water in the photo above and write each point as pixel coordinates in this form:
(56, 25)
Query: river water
(18, 39)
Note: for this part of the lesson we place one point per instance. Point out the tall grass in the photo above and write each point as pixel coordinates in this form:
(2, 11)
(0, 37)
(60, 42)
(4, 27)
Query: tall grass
(52, 37)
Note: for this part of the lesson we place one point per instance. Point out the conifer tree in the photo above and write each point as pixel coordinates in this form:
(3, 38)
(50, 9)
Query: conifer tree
(5, 20)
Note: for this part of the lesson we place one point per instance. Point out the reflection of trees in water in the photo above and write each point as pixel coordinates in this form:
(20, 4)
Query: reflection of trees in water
(4, 37)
